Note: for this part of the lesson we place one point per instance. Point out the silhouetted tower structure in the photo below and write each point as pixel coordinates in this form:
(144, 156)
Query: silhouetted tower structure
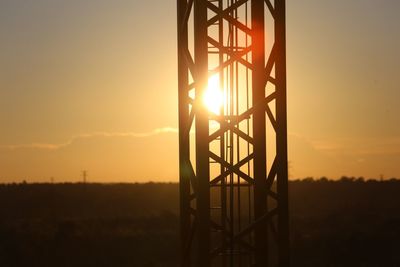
(233, 161)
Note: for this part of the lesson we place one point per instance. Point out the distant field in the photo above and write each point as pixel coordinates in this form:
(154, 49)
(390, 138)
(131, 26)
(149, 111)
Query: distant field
(342, 223)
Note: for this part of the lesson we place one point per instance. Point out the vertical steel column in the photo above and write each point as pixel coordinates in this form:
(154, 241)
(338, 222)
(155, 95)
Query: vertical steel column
(202, 133)
(259, 131)
(222, 144)
(281, 134)
(184, 149)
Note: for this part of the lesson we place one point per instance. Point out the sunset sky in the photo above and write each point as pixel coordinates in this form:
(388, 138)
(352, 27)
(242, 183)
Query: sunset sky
(92, 84)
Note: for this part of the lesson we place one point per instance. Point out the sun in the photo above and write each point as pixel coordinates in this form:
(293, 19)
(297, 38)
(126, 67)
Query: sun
(213, 97)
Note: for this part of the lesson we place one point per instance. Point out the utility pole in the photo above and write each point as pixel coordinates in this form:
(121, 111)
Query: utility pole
(84, 176)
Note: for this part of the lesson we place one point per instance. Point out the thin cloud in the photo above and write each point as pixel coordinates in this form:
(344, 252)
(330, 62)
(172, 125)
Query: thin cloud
(49, 146)
(359, 146)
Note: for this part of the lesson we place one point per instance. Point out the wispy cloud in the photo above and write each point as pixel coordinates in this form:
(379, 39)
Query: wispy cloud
(359, 146)
(56, 146)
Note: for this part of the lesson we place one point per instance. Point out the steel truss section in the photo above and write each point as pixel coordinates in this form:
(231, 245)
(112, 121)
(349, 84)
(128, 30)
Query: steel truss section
(233, 162)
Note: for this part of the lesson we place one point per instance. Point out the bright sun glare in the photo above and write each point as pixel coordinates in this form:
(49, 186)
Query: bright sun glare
(213, 96)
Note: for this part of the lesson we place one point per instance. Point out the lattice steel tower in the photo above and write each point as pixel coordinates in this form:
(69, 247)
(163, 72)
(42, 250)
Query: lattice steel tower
(233, 133)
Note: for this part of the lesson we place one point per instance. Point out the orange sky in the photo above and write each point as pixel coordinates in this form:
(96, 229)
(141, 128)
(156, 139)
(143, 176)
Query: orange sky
(91, 84)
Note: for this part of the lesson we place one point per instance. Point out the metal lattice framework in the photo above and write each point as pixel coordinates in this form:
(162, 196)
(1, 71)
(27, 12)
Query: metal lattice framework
(233, 162)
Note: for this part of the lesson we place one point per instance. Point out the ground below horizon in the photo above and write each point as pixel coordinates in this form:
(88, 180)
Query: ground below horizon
(333, 223)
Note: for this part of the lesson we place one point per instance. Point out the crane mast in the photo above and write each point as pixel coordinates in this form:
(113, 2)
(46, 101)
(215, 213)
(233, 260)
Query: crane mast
(233, 159)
